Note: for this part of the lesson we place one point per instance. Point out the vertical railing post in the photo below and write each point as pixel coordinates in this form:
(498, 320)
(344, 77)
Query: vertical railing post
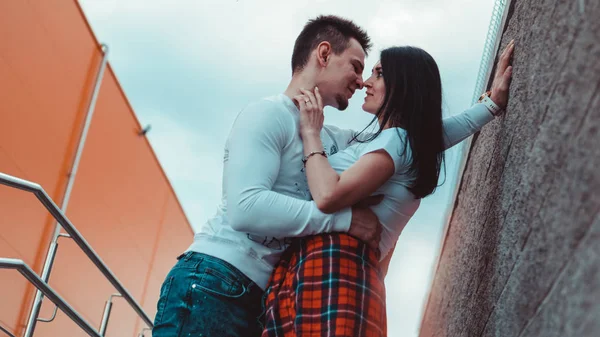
(39, 296)
(106, 316)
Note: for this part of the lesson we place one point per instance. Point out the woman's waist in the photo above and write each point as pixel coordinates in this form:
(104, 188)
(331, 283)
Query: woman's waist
(329, 245)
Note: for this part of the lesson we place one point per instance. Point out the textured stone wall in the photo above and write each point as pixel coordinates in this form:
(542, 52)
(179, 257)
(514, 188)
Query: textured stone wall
(522, 252)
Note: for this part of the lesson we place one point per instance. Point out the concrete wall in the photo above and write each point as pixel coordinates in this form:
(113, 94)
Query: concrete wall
(522, 252)
(122, 202)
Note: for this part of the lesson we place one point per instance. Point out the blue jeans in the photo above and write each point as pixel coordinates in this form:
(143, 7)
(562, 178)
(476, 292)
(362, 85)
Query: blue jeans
(205, 296)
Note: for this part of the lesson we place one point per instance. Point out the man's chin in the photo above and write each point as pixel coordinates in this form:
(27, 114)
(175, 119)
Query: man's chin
(342, 103)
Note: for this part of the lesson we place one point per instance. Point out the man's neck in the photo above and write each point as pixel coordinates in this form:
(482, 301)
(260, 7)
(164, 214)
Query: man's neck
(299, 81)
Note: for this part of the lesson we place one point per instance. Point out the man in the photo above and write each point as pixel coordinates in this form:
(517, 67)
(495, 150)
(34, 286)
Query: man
(216, 288)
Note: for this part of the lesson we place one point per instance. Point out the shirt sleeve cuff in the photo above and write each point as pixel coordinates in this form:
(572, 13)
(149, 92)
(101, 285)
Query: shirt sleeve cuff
(342, 220)
(482, 115)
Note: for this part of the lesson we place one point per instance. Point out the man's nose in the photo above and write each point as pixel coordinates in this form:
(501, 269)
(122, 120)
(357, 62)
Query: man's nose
(366, 84)
(359, 83)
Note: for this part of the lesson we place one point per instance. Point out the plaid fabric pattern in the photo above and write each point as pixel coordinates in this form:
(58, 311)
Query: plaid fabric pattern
(326, 285)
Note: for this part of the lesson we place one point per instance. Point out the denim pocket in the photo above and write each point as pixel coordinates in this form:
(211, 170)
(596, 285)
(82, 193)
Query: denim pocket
(221, 282)
(163, 299)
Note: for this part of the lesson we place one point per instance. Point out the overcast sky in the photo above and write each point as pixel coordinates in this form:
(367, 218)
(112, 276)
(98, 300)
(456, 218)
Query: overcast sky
(189, 66)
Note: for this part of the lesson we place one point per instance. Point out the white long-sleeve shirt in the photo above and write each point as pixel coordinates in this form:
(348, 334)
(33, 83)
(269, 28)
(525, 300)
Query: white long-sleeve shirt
(266, 199)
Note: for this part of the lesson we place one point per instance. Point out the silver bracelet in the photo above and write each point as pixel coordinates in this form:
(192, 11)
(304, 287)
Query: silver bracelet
(305, 159)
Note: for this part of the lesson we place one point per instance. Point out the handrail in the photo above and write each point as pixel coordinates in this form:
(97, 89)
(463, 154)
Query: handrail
(489, 48)
(106, 315)
(52, 248)
(3, 329)
(32, 277)
(43, 197)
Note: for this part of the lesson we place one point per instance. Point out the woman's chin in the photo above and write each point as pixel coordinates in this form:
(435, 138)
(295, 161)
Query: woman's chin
(367, 108)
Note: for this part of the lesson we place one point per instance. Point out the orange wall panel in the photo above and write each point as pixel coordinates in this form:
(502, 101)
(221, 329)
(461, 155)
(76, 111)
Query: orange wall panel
(122, 202)
(39, 119)
(172, 241)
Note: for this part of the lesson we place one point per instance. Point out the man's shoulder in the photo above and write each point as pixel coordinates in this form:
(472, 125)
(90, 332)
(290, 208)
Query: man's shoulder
(268, 104)
(268, 115)
(268, 108)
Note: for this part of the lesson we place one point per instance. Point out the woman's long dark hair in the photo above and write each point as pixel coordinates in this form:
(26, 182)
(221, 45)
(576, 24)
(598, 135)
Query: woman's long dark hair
(413, 102)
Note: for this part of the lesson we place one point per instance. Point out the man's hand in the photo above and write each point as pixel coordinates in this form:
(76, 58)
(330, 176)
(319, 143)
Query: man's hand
(502, 77)
(369, 201)
(365, 225)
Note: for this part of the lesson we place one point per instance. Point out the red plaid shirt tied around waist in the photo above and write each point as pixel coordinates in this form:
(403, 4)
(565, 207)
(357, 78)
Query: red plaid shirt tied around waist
(326, 285)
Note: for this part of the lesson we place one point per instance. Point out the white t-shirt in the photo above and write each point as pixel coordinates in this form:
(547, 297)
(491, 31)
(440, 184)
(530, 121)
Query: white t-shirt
(266, 199)
(399, 204)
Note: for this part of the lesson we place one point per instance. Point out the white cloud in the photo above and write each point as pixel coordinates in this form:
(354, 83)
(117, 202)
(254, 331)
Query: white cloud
(407, 284)
(179, 151)
(192, 163)
(260, 33)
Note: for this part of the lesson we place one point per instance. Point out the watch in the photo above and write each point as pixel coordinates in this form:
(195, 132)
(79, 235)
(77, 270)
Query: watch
(487, 101)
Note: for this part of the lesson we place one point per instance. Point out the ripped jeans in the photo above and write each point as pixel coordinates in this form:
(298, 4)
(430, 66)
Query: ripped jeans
(204, 296)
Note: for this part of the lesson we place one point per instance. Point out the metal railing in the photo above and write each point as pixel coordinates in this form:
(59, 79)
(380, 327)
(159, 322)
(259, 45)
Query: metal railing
(489, 48)
(6, 331)
(106, 316)
(37, 302)
(80, 241)
(42, 286)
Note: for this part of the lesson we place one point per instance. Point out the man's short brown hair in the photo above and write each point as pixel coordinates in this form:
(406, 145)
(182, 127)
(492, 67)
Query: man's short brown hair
(333, 29)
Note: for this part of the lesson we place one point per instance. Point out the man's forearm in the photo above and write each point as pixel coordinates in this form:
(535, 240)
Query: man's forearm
(272, 214)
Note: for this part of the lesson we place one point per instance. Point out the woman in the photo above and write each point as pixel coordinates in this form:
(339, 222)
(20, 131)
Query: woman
(332, 284)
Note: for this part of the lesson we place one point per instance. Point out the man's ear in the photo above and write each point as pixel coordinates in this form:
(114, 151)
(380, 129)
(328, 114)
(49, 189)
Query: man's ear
(324, 52)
